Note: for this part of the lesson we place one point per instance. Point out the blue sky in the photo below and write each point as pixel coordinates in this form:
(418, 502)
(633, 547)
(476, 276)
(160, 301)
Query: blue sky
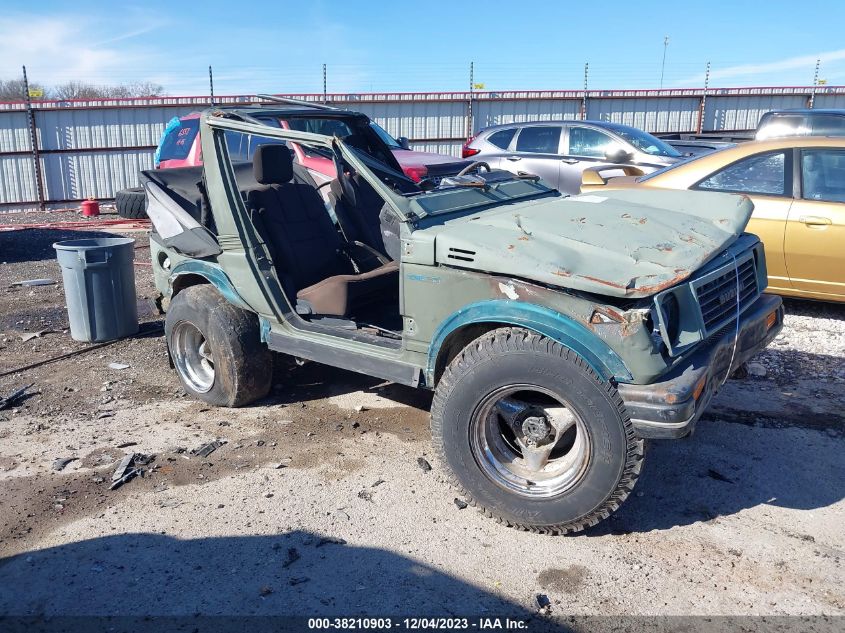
(409, 46)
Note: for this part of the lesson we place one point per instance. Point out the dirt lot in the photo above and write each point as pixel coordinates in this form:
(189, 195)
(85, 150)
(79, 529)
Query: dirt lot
(317, 503)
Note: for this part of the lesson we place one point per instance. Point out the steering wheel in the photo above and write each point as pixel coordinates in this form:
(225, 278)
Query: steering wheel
(472, 166)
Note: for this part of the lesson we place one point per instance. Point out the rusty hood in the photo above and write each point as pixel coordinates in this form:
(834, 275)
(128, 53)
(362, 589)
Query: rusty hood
(627, 243)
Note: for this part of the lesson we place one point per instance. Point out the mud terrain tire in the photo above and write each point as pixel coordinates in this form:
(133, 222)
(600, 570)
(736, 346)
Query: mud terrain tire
(131, 203)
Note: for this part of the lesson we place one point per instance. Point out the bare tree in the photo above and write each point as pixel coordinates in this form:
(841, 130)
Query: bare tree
(84, 90)
(76, 90)
(13, 90)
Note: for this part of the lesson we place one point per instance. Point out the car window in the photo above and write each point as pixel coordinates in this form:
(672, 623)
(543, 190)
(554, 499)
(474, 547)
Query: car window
(645, 142)
(242, 146)
(391, 142)
(539, 139)
(327, 127)
(829, 125)
(177, 144)
(585, 141)
(761, 174)
(823, 175)
(502, 138)
(778, 125)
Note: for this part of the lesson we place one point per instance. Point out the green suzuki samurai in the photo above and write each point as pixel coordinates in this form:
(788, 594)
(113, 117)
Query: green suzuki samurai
(557, 332)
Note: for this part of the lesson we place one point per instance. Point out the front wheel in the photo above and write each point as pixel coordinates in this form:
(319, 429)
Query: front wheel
(532, 435)
(216, 348)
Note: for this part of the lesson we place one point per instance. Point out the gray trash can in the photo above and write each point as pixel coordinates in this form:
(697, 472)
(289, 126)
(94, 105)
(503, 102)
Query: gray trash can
(99, 279)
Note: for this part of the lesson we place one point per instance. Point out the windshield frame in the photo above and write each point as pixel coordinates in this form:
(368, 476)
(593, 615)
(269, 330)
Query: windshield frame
(628, 134)
(385, 136)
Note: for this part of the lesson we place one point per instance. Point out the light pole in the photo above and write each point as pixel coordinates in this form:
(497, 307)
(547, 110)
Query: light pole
(663, 65)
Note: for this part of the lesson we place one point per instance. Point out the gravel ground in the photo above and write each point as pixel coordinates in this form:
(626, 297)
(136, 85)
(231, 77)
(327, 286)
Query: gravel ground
(316, 503)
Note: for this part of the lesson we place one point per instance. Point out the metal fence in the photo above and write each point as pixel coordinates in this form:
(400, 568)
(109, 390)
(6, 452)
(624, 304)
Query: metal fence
(90, 149)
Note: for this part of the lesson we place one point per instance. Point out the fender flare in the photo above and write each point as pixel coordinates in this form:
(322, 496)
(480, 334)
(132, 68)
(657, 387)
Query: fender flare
(214, 275)
(554, 325)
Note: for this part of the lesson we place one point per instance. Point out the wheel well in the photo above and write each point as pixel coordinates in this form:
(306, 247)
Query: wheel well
(458, 340)
(184, 281)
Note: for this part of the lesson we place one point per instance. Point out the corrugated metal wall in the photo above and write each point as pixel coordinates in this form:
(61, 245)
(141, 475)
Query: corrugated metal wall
(92, 149)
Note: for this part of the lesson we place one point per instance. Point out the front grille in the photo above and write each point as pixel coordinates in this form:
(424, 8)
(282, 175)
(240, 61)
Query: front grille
(718, 290)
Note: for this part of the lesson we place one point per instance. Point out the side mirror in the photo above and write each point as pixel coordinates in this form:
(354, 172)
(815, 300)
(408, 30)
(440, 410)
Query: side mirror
(404, 142)
(618, 155)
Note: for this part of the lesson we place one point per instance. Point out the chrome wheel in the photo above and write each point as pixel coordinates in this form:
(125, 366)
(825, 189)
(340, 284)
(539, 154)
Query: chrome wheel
(528, 440)
(192, 357)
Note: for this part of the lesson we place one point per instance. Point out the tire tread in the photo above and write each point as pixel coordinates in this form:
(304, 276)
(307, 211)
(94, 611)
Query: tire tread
(515, 339)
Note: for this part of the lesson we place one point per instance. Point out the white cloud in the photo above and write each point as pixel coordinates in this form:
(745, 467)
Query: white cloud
(57, 49)
(753, 72)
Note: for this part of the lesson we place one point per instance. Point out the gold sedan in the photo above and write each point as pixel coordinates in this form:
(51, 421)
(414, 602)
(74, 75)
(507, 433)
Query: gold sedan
(798, 189)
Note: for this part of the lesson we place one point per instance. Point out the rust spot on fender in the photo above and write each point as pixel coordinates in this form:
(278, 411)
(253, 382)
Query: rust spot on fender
(605, 282)
(680, 275)
(560, 272)
(524, 238)
(511, 247)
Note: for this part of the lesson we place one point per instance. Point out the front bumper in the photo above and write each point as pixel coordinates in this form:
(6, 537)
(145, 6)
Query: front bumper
(671, 407)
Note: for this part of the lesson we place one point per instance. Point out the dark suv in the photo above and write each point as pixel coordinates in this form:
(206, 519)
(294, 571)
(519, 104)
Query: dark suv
(801, 122)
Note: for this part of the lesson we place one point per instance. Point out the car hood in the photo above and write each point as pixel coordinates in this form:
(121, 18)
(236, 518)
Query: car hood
(631, 243)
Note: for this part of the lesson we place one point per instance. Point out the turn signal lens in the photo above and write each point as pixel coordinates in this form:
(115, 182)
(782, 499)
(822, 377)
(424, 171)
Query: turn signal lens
(771, 320)
(699, 388)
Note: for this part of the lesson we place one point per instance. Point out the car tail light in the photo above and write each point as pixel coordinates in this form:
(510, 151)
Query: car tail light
(416, 173)
(467, 151)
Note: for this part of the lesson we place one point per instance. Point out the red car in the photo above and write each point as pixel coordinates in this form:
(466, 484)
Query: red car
(180, 146)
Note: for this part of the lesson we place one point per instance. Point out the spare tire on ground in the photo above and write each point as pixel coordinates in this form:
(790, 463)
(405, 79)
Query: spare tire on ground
(131, 203)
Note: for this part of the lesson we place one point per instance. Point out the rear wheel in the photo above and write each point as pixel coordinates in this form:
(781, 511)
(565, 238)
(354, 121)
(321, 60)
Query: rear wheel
(532, 435)
(216, 348)
(131, 203)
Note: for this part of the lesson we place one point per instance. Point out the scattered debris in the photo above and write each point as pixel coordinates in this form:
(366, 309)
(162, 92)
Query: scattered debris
(127, 444)
(61, 462)
(423, 463)
(378, 482)
(15, 396)
(293, 556)
(28, 336)
(128, 468)
(140, 459)
(355, 425)
(757, 370)
(718, 476)
(460, 503)
(110, 414)
(544, 603)
(118, 366)
(130, 474)
(330, 540)
(360, 408)
(366, 495)
(33, 282)
(207, 449)
(122, 466)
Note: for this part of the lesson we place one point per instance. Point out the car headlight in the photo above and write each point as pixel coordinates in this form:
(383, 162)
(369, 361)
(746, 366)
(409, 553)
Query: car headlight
(670, 317)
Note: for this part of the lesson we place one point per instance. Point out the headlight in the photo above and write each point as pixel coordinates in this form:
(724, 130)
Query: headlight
(670, 317)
